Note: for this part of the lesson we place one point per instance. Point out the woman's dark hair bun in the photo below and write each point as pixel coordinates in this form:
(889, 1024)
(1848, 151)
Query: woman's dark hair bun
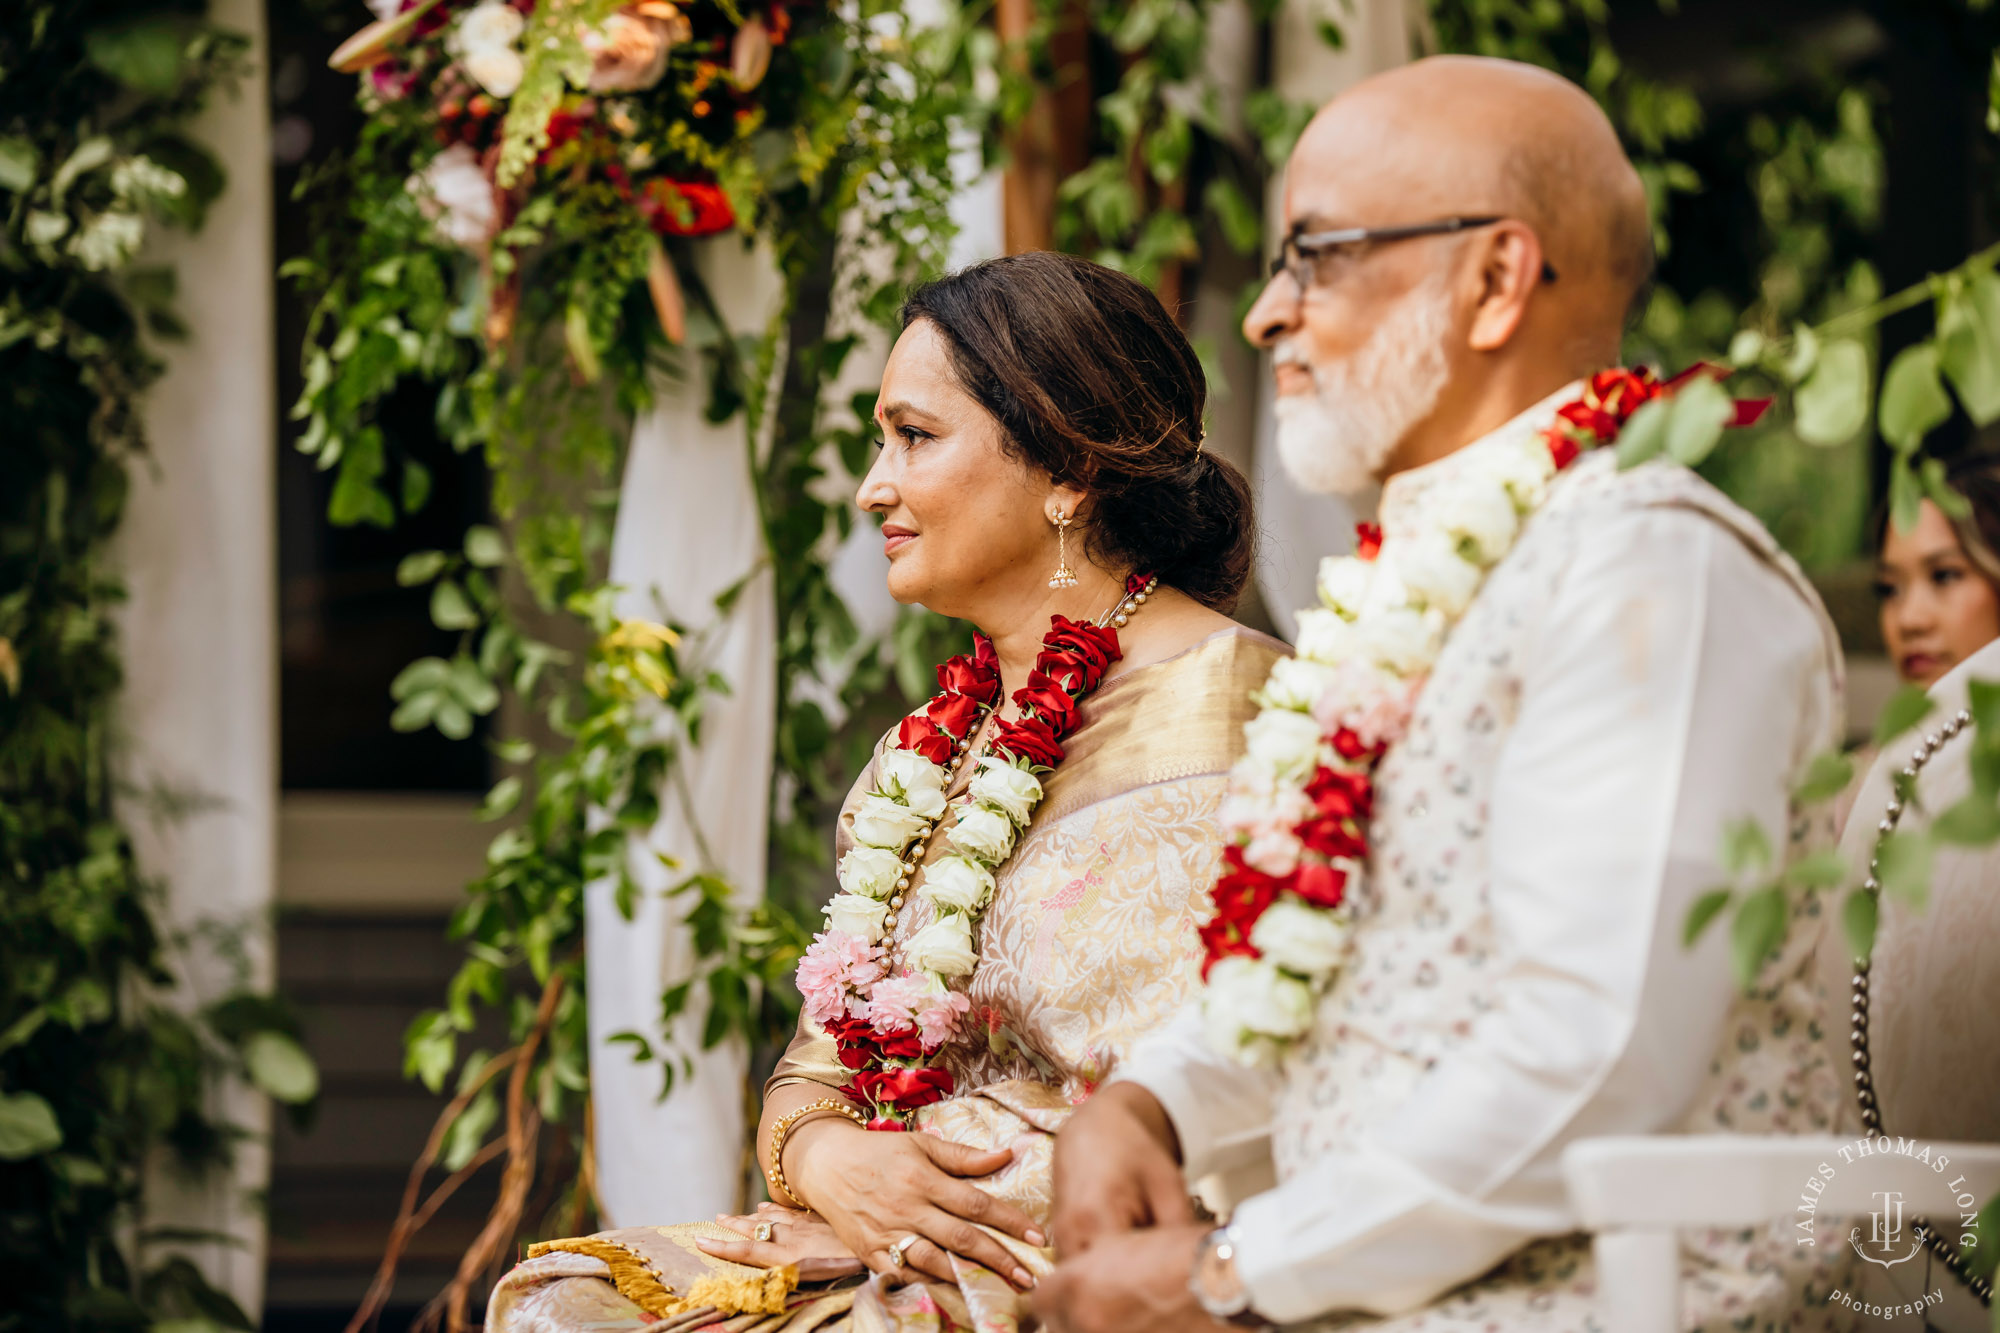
(1092, 382)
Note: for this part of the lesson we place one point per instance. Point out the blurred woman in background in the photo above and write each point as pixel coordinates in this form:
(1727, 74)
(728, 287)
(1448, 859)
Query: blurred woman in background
(1939, 582)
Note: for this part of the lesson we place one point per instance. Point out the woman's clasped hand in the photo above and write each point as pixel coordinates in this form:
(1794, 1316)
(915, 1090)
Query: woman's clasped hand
(870, 1194)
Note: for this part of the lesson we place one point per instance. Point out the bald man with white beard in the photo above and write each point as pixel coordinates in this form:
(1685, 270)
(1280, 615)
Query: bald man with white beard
(1465, 239)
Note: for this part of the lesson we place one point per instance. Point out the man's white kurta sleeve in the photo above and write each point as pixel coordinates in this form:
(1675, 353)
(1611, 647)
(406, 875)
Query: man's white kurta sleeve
(1667, 696)
(1221, 1111)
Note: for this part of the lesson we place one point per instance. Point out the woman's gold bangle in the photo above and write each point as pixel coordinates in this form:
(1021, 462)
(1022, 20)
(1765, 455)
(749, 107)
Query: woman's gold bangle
(776, 1173)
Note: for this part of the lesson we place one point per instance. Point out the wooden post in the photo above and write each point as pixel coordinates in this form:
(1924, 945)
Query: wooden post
(1053, 138)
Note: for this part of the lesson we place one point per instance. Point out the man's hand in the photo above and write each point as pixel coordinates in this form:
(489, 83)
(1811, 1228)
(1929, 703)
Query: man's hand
(1116, 1170)
(1131, 1283)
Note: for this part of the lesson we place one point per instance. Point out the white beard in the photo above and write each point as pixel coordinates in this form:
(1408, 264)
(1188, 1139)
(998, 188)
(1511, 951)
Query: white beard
(1336, 440)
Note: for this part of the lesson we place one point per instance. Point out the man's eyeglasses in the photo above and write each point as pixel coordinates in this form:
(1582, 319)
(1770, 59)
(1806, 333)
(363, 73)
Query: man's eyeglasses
(1304, 256)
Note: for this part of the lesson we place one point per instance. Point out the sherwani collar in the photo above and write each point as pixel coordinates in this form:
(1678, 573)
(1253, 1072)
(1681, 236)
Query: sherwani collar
(1406, 495)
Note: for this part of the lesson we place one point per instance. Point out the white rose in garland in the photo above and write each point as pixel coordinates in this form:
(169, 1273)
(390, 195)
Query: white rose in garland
(957, 884)
(985, 833)
(943, 948)
(883, 821)
(870, 871)
(1299, 808)
(1013, 791)
(852, 914)
(913, 780)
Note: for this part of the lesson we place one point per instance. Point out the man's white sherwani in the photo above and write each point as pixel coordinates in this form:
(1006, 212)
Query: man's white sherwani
(1643, 669)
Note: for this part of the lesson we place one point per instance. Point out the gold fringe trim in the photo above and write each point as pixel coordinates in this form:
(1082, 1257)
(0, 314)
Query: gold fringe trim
(763, 1292)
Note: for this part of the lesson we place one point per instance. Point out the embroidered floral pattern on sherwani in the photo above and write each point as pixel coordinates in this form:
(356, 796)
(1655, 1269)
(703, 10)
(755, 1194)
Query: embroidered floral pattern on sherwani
(1088, 944)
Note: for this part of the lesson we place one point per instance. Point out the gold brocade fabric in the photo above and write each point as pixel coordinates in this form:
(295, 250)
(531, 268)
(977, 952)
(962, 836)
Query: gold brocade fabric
(1089, 943)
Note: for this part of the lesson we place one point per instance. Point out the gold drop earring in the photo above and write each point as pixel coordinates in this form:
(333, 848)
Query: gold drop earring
(1064, 576)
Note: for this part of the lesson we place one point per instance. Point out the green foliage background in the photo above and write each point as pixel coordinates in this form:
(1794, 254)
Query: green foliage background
(102, 1073)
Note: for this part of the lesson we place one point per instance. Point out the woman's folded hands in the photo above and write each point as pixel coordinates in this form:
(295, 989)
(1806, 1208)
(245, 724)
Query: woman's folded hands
(878, 1195)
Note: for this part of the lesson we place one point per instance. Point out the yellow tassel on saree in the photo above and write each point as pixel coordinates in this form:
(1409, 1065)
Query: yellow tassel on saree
(1089, 943)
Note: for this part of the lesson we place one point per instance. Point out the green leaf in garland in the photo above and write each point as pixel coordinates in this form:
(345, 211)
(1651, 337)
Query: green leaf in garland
(1755, 933)
(1859, 916)
(1703, 912)
(1832, 405)
(1907, 707)
(1968, 339)
(1914, 402)
(27, 1126)
(280, 1066)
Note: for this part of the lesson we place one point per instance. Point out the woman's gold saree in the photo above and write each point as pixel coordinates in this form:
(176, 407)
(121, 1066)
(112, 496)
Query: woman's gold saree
(1089, 943)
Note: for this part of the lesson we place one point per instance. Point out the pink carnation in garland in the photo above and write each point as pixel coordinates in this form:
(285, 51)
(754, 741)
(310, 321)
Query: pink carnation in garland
(835, 967)
(892, 1006)
(938, 1019)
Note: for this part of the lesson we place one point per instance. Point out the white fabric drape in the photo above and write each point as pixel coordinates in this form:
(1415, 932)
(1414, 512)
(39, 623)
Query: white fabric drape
(199, 708)
(687, 531)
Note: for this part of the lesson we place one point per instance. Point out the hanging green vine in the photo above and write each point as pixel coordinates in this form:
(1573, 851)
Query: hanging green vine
(101, 1071)
(516, 229)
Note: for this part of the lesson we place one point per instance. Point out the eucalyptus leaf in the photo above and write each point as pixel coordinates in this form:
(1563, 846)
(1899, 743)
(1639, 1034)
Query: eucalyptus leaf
(1832, 404)
(1968, 341)
(1859, 916)
(1940, 492)
(1804, 358)
(1914, 402)
(1903, 865)
(1700, 409)
(1755, 933)
(1702, 913)
(1746, 848)
(1824, 869)
(1906, 494)
(1905, 709)
(1826, 777)
(1973, 821)
(1644, 436)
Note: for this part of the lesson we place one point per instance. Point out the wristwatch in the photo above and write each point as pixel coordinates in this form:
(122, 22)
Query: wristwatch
(1215, 1284)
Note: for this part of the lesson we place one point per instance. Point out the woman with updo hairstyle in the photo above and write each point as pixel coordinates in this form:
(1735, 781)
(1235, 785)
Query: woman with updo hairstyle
(1024, 861)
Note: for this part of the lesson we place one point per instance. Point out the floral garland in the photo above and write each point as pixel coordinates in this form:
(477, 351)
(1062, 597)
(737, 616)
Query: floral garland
(889, 1019)
(1301, 799)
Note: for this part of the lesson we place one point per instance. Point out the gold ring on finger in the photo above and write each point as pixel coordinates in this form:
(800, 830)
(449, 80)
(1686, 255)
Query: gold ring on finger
(896, 1251)
(762, 1231)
